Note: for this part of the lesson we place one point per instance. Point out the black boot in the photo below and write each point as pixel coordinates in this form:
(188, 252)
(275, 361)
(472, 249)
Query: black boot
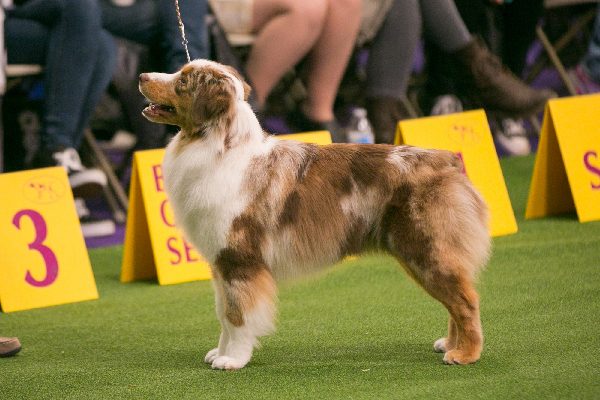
(495, 86)
(384, 114)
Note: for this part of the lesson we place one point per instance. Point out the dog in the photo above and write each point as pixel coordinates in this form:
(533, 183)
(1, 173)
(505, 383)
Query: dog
(260, 209)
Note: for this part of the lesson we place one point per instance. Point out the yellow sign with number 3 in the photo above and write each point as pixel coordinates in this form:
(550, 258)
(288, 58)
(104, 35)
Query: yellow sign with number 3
(43, 258)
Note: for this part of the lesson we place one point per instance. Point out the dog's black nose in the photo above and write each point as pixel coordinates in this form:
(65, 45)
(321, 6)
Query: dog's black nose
(144, 77)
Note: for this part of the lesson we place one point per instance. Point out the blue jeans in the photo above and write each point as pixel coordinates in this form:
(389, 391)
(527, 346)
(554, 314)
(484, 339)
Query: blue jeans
(154, 22)
(66, 37)
(591, 61)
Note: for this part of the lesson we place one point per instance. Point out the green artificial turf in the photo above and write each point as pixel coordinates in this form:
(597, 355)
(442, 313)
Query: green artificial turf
(361, 331)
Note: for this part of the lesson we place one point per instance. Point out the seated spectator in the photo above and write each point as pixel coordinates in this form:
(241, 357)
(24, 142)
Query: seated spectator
(509, 29)
(66, 37)
(154, 23)
(286, 32)
(391, 60)
(586, 75)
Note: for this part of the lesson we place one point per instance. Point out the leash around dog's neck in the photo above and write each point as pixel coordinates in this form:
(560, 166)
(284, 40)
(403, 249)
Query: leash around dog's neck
(182, 30)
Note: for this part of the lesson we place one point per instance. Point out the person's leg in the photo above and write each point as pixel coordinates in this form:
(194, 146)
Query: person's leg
(138, 23)
(102, 73)
(192, 15)
(329, 57)
(390, 59)
(73, 29)
(444, 25)
(389, 67)
(26, 41)
(286, 31)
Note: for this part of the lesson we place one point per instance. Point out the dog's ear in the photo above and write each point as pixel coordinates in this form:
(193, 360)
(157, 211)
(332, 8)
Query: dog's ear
(213, 99)
(235, 73)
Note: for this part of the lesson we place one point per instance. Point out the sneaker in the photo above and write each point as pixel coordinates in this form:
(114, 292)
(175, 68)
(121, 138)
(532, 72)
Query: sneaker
(90, 226)
(9, 346)
(85, 182)
(512, 137)
(446, 104)
(584, 84)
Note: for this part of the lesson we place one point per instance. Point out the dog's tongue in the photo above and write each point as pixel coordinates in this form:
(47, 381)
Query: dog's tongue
(160, 107)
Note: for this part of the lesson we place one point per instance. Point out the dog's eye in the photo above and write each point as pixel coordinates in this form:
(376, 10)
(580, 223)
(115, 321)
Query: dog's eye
(182, 82)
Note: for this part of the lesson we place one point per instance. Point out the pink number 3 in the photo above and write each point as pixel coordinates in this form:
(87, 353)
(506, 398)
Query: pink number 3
(38, 244)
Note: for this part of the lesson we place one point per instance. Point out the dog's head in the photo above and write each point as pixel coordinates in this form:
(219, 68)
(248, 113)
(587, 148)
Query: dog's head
(200, 95)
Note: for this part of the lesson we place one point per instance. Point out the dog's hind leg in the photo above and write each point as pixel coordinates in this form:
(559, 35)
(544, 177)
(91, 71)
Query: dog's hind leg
(455, 291)
(465, 339)
(444, 344)
(436, 225)
(248, 312)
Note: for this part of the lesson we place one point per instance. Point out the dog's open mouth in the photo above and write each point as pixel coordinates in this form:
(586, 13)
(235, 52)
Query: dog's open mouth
(155, 109)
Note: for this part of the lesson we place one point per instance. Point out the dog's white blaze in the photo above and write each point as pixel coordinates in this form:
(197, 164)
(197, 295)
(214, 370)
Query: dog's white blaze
(158, 76)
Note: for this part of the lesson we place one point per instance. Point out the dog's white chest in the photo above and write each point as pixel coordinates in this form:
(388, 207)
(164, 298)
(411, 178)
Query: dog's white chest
(206, 194)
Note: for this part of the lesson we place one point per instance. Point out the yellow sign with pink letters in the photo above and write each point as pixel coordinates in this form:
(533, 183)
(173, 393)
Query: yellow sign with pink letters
(566, 175)
(154, 246)
(43, 258)
(468, 135)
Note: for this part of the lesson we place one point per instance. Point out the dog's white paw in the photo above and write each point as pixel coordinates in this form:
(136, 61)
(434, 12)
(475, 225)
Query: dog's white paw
(440, 345)
(228, 363)
(211, 355)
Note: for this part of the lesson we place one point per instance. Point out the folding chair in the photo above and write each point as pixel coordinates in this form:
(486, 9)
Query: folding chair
(553, 49)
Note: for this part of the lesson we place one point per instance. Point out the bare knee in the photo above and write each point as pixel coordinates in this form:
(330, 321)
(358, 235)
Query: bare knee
(312, 12)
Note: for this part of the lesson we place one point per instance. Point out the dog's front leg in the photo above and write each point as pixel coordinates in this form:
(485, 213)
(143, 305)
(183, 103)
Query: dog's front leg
(220, 310)
(247, 311)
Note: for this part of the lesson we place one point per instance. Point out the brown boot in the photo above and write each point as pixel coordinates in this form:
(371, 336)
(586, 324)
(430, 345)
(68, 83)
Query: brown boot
(384, 114)
(9, 346)
(496, 87)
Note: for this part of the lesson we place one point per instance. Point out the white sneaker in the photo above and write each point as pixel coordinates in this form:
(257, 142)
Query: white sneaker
(90, 226)
(85, 182)
(512, 137)
(446, 104)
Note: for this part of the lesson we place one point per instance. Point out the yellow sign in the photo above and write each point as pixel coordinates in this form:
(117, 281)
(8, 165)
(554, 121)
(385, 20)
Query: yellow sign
(318, 137)
(566, 175)
(468, 136)
(43, 258)
(150, 225)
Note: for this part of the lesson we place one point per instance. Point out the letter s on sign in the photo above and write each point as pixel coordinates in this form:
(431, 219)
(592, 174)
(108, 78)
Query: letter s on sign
(592, 168)
(41, 232)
